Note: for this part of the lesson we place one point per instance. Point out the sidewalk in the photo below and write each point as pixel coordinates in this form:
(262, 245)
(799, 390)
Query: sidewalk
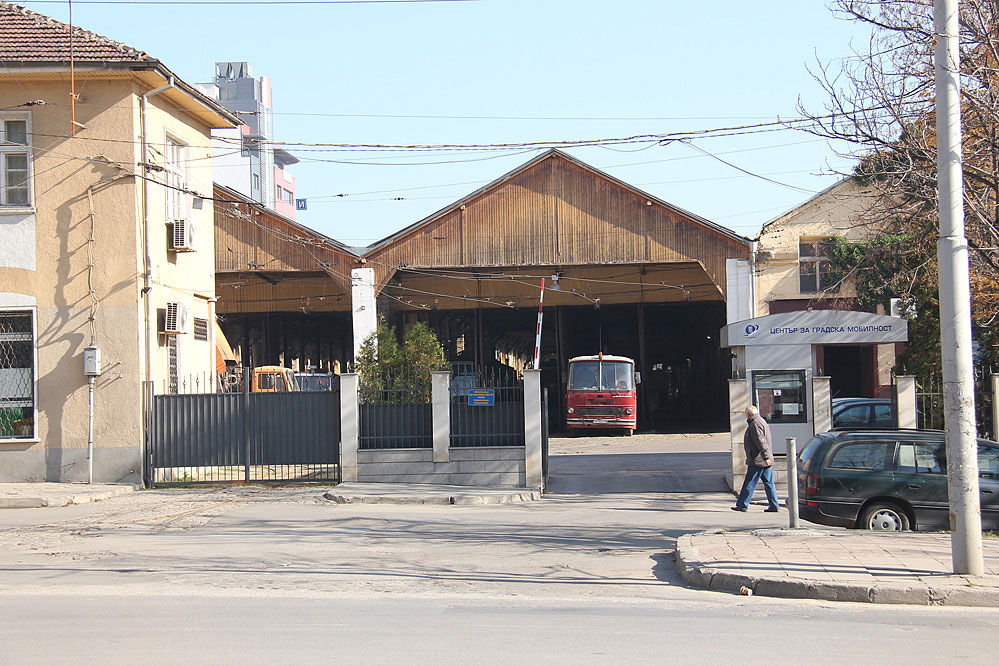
(415, 493)
(35, 495)
(837, 565)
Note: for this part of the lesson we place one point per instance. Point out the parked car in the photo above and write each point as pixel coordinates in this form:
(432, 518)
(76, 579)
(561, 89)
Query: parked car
(887, 480)
(862, 413)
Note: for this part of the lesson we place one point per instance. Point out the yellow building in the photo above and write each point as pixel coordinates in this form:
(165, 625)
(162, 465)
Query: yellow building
(104, 243)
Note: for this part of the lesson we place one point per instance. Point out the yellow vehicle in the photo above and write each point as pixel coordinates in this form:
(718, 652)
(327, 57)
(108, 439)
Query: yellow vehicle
(273, 379)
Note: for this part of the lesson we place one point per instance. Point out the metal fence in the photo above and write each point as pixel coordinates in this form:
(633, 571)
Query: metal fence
(930, 403)
(487, 409)
(216, 437)
(395, 411)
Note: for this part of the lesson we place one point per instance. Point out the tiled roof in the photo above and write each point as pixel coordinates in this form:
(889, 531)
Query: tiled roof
(26, 36)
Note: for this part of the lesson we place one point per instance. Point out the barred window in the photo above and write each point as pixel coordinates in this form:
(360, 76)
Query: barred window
(15, 160)
(17, 375)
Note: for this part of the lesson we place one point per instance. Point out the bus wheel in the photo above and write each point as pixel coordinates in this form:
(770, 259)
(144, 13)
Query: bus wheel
(628, 431)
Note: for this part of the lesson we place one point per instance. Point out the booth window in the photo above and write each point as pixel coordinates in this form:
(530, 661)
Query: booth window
(780, 395)
(813, 265)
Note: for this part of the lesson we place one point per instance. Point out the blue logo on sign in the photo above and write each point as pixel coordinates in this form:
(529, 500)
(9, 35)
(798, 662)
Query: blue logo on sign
(301, 204)
(752, 328)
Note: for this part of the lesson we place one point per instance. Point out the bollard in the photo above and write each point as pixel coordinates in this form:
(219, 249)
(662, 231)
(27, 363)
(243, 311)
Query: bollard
(792, 482)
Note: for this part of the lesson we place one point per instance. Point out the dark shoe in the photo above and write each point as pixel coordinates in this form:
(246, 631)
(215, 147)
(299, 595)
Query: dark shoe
(739, 508)
(771, 509)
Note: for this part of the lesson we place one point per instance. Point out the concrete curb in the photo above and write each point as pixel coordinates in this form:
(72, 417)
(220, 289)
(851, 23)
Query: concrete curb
(60, 499)
(441, 497)
(701, 574)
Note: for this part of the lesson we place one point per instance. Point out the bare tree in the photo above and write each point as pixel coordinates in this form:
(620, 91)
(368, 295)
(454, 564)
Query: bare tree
(881, 100)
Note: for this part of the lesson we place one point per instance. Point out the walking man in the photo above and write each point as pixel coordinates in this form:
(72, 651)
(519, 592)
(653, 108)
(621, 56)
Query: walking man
(759, 462)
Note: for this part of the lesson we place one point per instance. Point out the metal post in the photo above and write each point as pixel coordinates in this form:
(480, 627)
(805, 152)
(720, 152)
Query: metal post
(247, 380)
(792, 482)
(955, 303)
(90, 431)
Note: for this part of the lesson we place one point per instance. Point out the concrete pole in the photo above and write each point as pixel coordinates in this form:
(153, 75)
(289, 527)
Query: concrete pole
(995, 408)
(955, 303)
(792, 482)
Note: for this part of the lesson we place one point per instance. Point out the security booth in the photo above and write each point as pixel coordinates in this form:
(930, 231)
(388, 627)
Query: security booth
(779, 364)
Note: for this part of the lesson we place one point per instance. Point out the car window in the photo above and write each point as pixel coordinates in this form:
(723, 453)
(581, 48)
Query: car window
(855, 415)
(863, 455)
(906, 460)
(931, 457)
(882, 415)
(265, 382)
(988, 461)
(807, 454)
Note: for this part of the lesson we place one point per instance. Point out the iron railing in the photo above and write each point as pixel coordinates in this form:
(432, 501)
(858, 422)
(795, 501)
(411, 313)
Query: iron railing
(395, 411)
(930, 402)
(487, 409)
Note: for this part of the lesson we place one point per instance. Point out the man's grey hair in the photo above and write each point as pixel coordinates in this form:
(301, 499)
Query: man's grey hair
(752, 411)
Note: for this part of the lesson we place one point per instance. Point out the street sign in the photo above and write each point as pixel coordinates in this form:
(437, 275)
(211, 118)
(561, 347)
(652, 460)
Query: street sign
(479, 397)
(301, 204)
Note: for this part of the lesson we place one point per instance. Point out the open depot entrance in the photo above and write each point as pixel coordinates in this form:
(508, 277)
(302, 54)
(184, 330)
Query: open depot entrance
(674, 345)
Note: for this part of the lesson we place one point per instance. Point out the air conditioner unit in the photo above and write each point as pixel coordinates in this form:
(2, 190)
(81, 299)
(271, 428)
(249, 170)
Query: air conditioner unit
(175, 320)
(185, 236)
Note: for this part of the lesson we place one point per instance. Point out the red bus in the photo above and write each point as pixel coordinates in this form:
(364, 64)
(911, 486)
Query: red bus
(601, 393)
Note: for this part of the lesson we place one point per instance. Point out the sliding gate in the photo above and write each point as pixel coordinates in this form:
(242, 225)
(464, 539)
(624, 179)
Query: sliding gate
(218, 437)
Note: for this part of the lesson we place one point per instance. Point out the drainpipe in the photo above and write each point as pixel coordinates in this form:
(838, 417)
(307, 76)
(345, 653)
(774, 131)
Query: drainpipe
(147, 277)
(753, 249)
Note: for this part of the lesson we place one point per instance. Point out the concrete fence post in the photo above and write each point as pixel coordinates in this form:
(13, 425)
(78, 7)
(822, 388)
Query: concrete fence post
(349, 426)
(905, 389)
(440, 398)
(821, 405)
(532, 428)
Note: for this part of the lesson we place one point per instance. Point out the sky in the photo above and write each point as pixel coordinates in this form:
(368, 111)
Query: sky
(489, 72)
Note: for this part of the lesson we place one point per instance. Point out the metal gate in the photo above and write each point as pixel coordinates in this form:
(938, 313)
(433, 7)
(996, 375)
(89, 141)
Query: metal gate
(217, 437)
(930, 403)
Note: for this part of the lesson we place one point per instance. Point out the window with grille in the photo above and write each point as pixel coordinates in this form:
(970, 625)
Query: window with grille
(17, 375)
(814, 265)
(15, 160)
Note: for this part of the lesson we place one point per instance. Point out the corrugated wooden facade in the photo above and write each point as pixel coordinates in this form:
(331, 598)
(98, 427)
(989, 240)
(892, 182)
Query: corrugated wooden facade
(267, 263)
(558, 212)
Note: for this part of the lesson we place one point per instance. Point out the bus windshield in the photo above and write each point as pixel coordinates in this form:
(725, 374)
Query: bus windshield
(601, 376)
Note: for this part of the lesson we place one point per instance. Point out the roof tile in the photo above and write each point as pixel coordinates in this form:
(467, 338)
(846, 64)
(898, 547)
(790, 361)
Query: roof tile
(29, 37)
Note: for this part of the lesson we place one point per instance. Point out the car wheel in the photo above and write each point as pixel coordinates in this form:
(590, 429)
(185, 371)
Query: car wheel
(885, 517)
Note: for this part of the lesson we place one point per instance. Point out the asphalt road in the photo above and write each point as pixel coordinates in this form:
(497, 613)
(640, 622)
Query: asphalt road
(280, 575)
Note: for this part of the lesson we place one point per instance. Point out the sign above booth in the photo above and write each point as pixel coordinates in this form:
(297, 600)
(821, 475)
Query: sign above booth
(816, 327)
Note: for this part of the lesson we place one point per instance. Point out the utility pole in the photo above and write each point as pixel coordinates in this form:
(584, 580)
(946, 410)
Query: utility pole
(955, 303)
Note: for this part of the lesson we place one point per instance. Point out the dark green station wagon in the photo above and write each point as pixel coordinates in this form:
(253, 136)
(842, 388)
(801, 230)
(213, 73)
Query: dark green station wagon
(887, 480)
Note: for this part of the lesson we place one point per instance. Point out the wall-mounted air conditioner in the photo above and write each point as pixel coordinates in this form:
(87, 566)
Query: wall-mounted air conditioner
(185, 236)
(176, 317)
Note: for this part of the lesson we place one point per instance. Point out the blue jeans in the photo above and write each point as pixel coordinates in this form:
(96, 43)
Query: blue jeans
(753, 476)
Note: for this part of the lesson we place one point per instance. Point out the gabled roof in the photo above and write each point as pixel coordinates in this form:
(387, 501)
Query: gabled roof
(529, 164)
(235, 196)
(26, 36)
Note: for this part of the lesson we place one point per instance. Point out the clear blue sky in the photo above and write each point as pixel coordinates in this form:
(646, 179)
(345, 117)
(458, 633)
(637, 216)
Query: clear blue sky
(497, 71)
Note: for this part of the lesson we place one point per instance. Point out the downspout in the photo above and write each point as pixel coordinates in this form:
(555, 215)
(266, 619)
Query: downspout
(753, 249)
(147, 276)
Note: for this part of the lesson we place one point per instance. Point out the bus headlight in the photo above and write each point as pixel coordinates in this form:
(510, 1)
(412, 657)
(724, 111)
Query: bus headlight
(628, 411)
(571, 410)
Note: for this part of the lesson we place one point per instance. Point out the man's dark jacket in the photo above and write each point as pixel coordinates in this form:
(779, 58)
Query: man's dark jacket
(757, 442)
